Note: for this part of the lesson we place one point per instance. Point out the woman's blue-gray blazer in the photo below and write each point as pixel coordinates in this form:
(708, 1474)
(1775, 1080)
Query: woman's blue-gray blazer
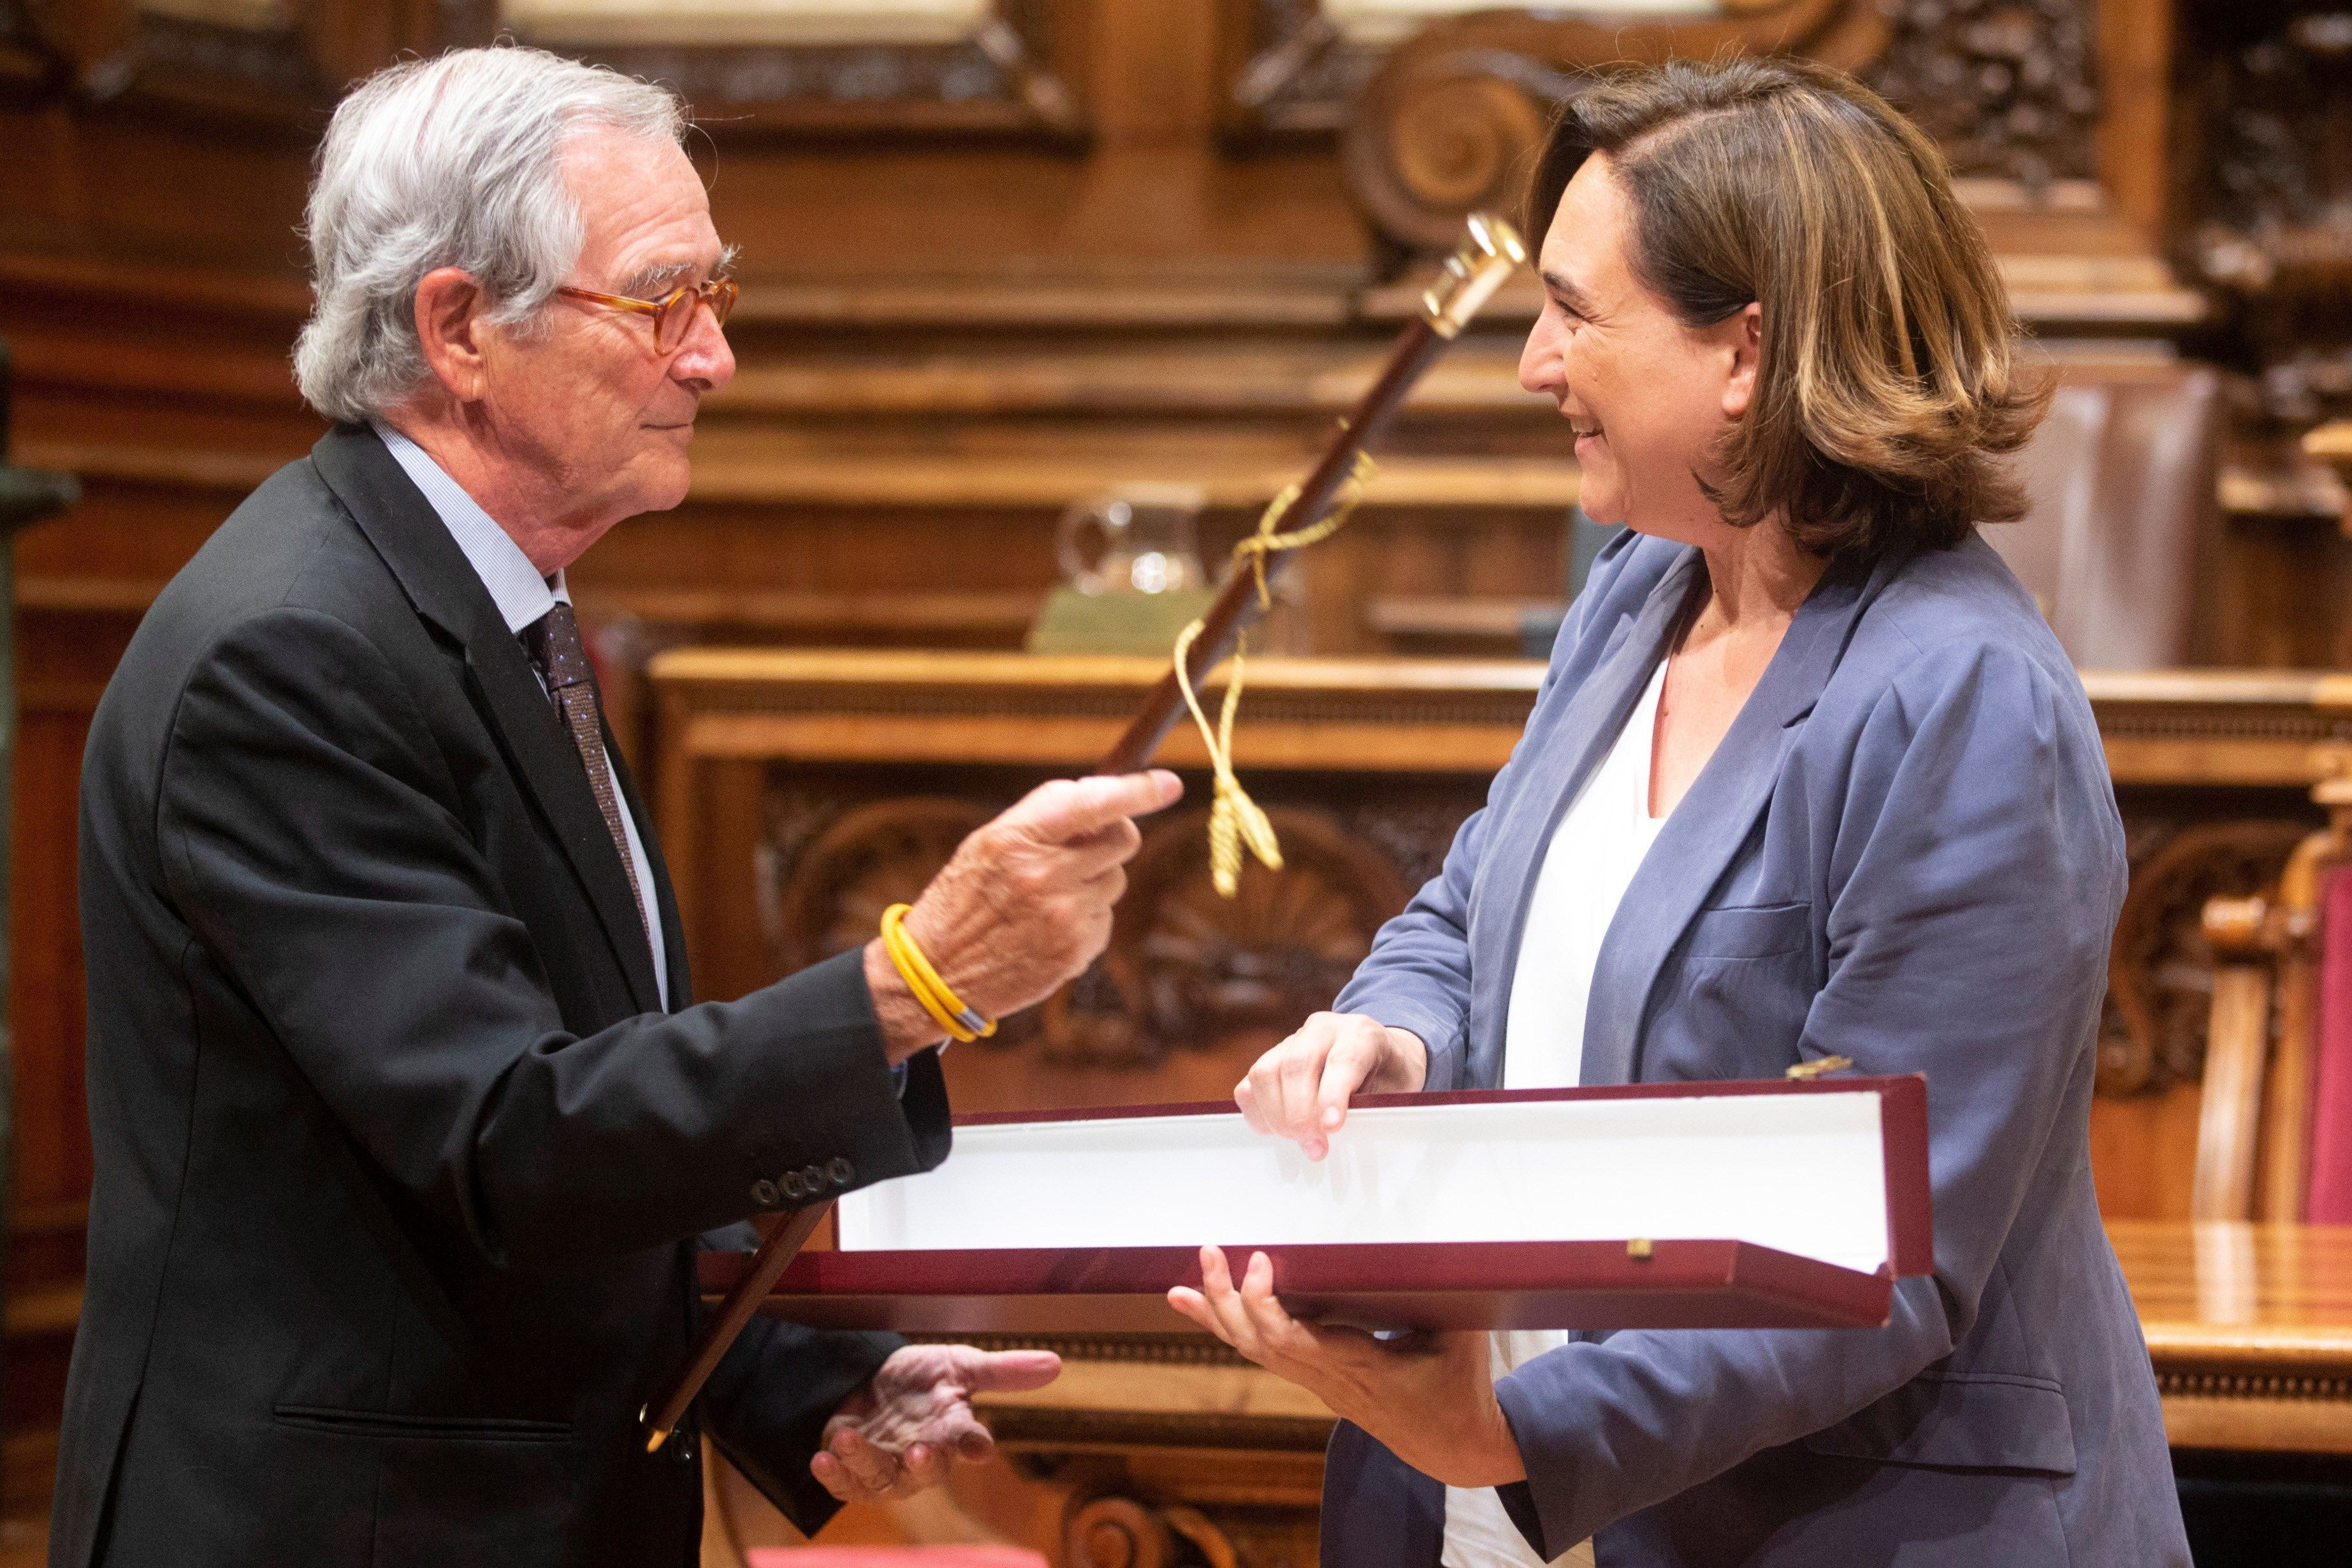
(1906, 851)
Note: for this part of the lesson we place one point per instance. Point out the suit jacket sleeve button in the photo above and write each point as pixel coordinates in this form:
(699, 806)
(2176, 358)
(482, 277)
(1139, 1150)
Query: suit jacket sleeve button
(764, 1193)
(841, 1171)
(794, 1189)
(813, 1179)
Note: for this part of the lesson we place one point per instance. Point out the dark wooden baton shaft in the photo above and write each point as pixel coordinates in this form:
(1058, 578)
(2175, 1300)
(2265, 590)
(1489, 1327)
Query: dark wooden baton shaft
(782, 1244)
(1236, 607)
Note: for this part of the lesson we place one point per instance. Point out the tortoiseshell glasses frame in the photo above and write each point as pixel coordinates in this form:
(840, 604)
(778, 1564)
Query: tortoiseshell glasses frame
(673, 313)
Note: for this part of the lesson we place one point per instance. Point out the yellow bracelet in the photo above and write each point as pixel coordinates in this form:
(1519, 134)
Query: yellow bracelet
(947, 1009)
(947, 1002)
(906, 957)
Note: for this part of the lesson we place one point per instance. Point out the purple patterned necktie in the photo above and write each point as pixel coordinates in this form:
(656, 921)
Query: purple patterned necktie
(553, 643)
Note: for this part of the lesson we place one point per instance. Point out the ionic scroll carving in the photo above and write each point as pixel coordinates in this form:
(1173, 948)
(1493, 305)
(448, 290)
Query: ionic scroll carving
(1120, 1533)
(1448, 124)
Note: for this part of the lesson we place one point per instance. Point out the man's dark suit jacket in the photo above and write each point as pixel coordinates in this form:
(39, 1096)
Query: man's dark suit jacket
(400, 1166)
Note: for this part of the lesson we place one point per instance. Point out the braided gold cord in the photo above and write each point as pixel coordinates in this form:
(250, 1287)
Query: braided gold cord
(1237, 822)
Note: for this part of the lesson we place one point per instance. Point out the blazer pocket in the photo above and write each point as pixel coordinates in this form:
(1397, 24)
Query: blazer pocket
(1974, 1421)
(394, 1424)
(1750, 931)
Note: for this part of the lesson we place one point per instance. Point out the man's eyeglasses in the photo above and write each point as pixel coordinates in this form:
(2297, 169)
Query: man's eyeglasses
(673, 313)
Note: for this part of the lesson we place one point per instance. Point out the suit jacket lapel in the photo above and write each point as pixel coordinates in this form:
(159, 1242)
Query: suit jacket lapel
(441, 583)
(1698, 842)
(1571, 747)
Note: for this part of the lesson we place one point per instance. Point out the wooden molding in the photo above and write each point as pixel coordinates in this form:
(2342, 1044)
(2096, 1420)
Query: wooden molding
(998, 78)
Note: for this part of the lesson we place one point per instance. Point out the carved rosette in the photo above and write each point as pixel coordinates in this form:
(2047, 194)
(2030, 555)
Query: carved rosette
(1194, 965)
(2160, 969)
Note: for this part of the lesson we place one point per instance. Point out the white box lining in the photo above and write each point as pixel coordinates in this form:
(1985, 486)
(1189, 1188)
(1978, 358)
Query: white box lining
(1804, 1173)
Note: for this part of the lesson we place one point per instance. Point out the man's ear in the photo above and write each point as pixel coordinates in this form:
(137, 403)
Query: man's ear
(1744, 338)
(449, 320)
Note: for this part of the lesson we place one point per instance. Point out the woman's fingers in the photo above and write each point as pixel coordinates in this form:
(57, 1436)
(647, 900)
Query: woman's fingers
(1193, 1305)
(1230, 1322)
(1278, 1097)
(1299, 1073)
(1301, 1090)
(1245, 1100)
(1353, 1057)
(1276, 1329)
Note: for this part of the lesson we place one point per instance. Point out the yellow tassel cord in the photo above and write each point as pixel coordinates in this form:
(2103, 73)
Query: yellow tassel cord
(1235, 821)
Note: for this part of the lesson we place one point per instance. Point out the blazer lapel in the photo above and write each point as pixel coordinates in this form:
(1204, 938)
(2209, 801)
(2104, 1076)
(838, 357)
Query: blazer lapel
(1571, 747)
(441, 583)
(1697, 843)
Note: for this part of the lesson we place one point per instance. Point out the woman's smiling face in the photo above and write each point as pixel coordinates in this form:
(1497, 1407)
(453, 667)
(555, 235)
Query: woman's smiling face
(1646, 394)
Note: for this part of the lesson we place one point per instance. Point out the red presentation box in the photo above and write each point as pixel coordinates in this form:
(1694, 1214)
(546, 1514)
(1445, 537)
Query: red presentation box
(1726, 1204)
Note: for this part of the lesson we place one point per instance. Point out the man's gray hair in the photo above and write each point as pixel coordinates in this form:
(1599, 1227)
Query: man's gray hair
(450, 162)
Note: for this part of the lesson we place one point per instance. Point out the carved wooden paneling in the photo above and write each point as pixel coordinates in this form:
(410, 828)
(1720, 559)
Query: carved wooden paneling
(282, 63)
(838, 782)
(2009, 88)
(998, 76)
(2160, 976)
(1188, 970)
(1292, 71)
(2268, 100)
(1451, 120)
(1445, 121)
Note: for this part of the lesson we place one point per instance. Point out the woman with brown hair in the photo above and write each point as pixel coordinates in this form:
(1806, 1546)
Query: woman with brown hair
(1809, 776)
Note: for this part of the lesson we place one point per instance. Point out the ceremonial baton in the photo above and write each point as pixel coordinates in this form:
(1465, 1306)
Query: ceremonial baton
(1489, 253)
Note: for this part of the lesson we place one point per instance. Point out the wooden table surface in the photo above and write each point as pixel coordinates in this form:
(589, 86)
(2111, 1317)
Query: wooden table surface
(2249, 1326)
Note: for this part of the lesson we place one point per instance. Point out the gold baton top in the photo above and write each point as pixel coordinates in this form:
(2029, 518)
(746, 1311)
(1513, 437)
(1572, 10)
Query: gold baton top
(1488, 253)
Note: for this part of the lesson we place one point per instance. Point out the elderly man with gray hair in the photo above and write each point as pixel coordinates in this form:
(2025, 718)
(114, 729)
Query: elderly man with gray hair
(407, 1130)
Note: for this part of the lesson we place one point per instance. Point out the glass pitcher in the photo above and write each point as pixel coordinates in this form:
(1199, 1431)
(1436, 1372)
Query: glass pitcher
(1150, 540)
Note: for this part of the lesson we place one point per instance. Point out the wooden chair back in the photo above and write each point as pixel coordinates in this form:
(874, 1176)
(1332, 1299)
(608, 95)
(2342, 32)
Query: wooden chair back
(2254, 1122)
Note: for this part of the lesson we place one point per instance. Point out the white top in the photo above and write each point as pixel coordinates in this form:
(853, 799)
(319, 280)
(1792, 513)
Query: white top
(523, 596)
(1599, 845)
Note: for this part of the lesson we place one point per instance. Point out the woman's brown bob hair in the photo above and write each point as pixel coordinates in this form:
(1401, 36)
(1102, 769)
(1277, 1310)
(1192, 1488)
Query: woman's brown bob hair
(1887, 388)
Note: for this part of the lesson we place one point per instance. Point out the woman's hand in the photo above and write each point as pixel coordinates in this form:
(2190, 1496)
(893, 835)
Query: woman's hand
(1301, 1089)
(1430, 1397)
